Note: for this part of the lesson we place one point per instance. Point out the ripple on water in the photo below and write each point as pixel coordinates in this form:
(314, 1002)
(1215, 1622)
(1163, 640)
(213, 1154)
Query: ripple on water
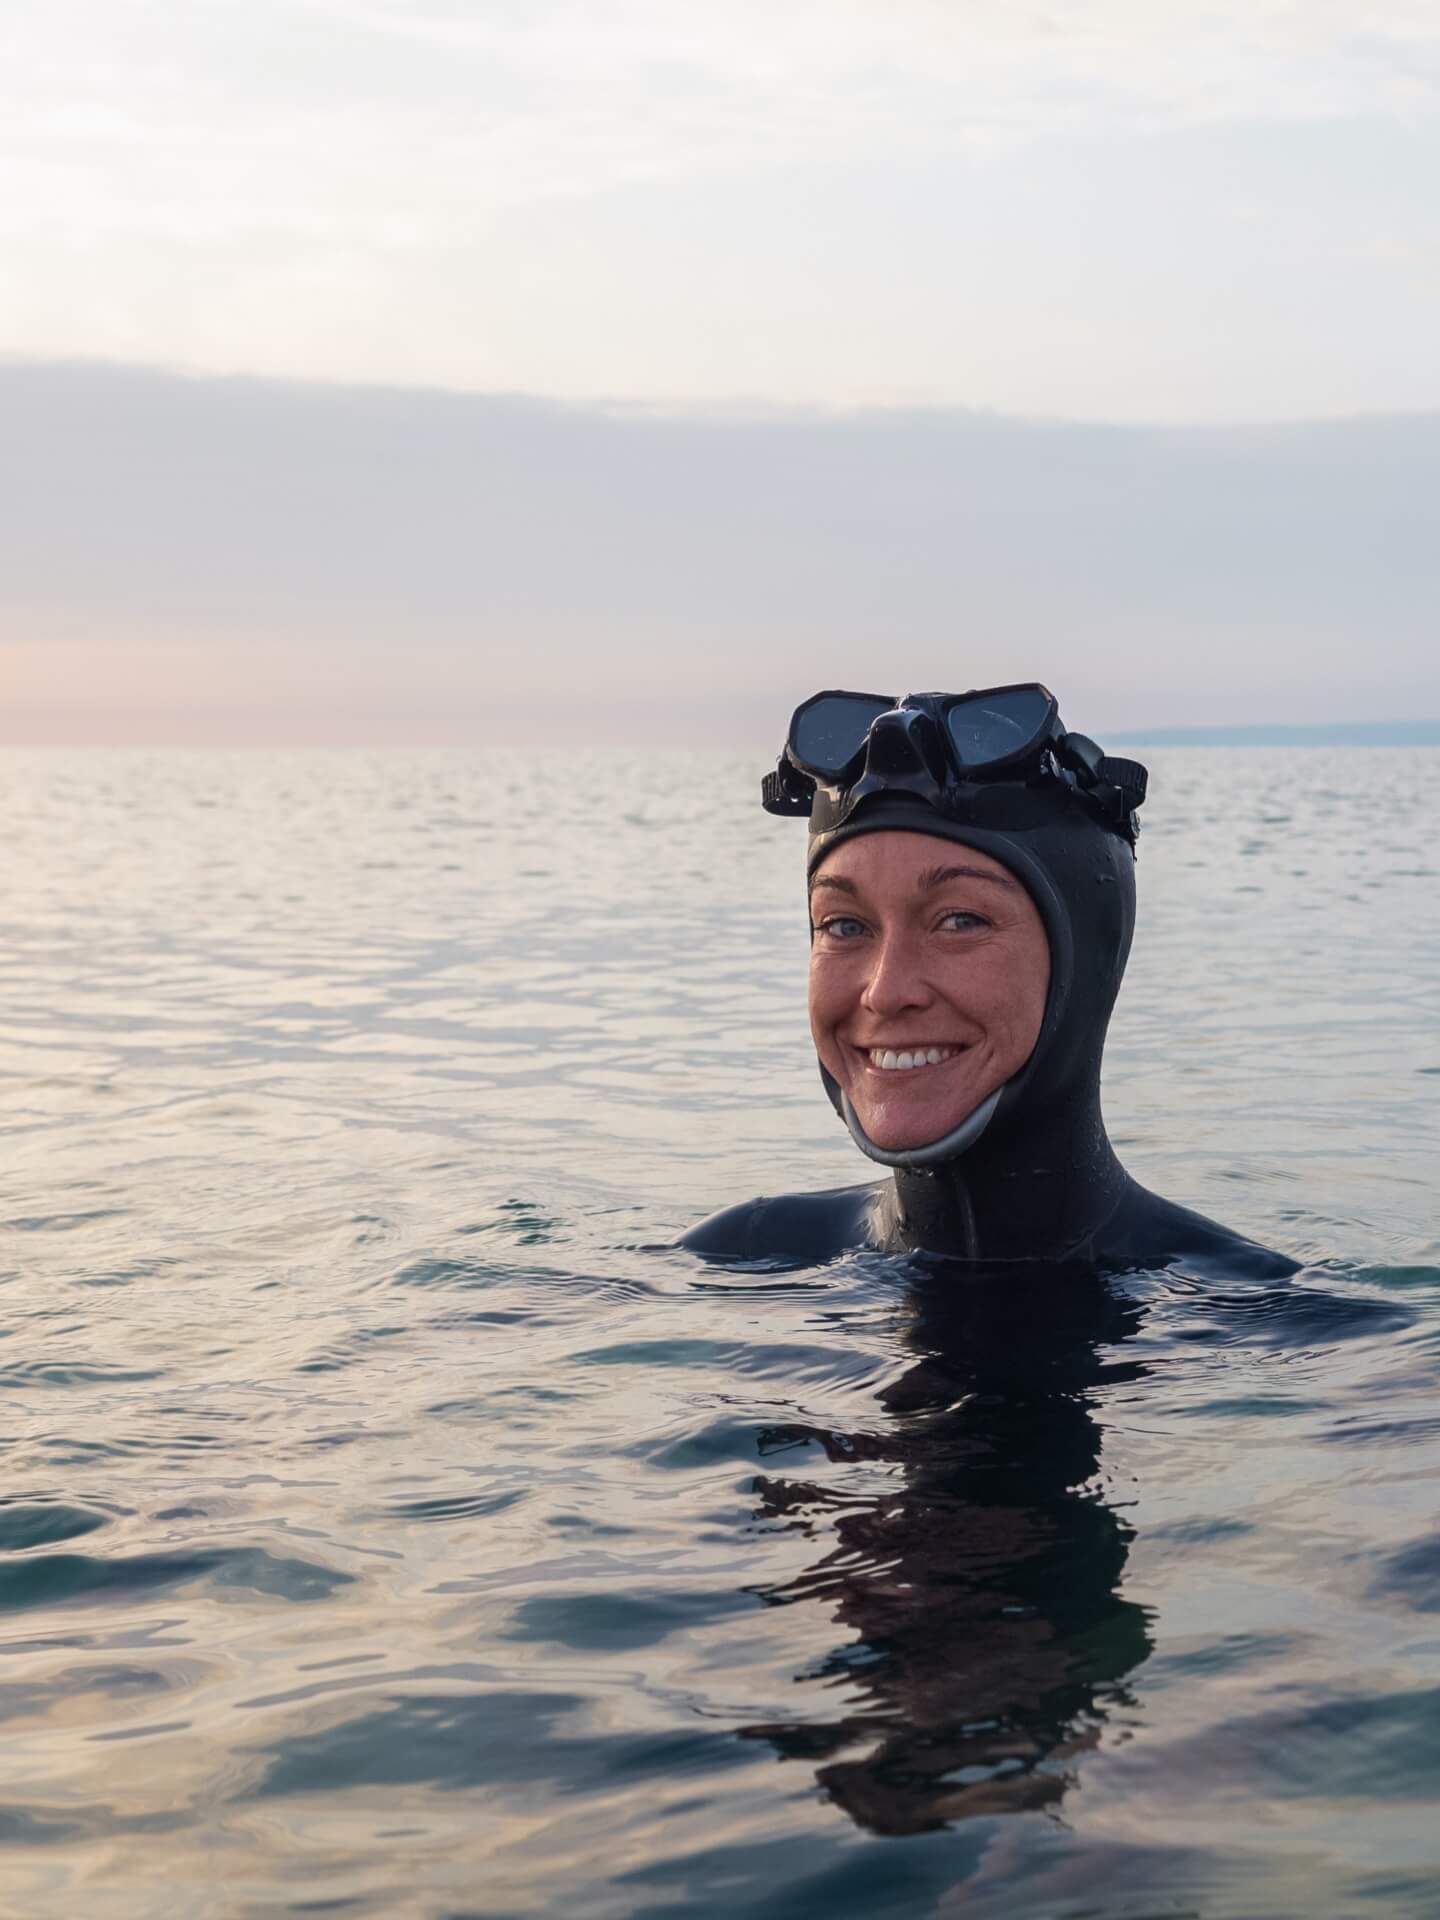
(500, 1740)
(53, 1579)
(456, 1506)
(1411, 1574)
(27, 1524)
(620, 1623)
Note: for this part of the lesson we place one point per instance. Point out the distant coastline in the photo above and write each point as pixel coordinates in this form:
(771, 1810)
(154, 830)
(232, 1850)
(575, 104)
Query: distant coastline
(1388, 733)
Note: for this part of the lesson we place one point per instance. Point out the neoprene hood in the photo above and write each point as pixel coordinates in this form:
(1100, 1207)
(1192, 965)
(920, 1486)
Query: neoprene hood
(1032, 1164)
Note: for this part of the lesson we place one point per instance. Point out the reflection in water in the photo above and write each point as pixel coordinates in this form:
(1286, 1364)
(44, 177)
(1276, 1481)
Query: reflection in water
(991, 1639)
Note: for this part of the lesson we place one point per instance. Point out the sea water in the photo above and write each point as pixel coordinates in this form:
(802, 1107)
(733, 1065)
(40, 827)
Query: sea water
(394, 1522)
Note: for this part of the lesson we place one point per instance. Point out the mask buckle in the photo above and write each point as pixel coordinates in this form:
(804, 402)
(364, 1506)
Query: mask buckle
(1115, 785)
(787, 791)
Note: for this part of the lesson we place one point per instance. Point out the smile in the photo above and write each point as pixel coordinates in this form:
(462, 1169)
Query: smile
(889, 1060)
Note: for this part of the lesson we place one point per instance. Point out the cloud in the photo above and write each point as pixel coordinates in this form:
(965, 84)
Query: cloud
(443, 109)
(247, 559)
(1029, 207)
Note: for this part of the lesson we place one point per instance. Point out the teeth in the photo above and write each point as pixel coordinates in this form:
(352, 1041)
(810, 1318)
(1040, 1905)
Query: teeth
(887, 1058)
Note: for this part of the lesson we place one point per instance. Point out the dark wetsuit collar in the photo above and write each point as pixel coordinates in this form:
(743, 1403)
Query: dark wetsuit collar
(1042, 1190)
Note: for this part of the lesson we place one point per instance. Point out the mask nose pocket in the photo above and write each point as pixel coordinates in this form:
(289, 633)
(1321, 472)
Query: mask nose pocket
(906, 743)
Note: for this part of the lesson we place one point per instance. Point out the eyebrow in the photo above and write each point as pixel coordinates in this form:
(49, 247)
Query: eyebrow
(936, 877)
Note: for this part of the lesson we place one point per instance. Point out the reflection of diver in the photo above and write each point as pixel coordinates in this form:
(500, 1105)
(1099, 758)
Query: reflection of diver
(983, 1592)
(971, 868)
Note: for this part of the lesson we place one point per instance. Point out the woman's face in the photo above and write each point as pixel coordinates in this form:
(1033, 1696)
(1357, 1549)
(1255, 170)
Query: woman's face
(929, 969)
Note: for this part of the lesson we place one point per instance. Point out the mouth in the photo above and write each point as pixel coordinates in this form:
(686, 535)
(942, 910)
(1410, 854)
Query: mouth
(907, 1059)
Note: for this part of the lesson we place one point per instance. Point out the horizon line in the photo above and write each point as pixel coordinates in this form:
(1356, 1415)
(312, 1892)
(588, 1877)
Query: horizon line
(1356, 733)
(1394, 733)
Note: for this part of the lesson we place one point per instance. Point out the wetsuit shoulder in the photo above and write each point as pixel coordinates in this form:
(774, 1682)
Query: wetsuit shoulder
(803, 1229)
(1148, 1231)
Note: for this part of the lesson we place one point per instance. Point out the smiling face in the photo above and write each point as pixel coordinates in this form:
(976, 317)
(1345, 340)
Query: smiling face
(929, 969)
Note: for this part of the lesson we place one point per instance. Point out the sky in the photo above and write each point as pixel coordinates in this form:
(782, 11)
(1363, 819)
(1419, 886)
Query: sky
(1108, 209)
(660, 254)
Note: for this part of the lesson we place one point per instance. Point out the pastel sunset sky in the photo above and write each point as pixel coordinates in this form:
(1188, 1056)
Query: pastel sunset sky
(465, 369)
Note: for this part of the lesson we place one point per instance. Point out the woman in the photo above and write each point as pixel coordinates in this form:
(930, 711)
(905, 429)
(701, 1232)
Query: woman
(972, 889)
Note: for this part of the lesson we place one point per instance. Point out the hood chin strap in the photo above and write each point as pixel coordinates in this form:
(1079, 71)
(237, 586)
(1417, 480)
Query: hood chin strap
(918, 1159)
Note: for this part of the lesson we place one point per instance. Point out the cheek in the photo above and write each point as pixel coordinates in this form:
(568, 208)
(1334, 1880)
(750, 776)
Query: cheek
(830, 1000)
(1004, 990)
(1021, 990)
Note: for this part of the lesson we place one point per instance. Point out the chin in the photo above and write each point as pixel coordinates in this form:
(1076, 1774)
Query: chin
(897, 1130)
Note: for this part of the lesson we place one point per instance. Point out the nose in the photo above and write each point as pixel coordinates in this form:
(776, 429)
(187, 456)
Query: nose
(896, 982)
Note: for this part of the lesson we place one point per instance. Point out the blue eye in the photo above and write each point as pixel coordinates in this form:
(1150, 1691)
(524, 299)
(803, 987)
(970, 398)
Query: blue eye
(838, 924)
(970, 920)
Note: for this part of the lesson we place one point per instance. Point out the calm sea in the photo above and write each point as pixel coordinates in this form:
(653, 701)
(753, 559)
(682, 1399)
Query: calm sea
(393, 1524)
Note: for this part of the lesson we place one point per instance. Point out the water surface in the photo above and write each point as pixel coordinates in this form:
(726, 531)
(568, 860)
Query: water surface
(393, 1524)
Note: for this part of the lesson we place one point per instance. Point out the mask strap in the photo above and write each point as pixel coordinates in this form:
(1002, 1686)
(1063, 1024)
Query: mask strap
(949, 1147)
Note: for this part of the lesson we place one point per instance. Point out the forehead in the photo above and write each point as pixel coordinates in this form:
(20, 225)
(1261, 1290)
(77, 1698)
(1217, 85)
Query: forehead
(898, 858)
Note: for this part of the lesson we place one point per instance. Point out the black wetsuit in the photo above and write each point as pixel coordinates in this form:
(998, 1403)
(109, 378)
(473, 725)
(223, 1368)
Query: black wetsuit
(1041, 1182)
(807, 1229)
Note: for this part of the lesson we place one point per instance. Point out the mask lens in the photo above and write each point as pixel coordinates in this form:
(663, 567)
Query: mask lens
(826, 735)
(993, 726)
